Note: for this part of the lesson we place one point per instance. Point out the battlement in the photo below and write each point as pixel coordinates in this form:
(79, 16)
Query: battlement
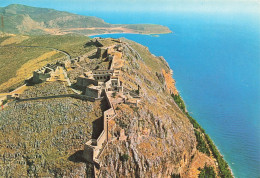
(50, 72)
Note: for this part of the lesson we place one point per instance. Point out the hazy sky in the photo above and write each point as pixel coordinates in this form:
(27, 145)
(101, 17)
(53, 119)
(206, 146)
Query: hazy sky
(209, 6)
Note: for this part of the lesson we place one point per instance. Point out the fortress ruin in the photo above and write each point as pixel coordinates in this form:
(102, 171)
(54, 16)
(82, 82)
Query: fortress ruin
(103, 84)
(97, 84)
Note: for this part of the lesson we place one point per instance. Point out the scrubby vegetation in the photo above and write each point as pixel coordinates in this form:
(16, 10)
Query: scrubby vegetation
(124, 157)
(4, 101)
(12, 59)
(224, 170)
(37, 21)
(178, 100)
(201, 146)
(20, 62)
(39, 137)
(46, 89)
(73, 44)
(175, 176)
(148, 28)
(207, 172)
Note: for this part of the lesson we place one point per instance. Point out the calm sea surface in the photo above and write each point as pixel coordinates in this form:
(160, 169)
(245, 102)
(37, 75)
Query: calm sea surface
(216, 64)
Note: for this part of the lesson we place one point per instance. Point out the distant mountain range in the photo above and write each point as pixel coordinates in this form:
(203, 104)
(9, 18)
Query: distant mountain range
(21, 19)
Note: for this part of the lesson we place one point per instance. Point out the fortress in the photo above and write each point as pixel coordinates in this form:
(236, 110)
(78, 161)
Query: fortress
(97, 84)
(104, 83)
(51, 72)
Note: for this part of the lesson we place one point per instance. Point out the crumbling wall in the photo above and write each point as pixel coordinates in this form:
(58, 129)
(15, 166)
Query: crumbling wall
(40, 77)
(95, 93)
(83, 82)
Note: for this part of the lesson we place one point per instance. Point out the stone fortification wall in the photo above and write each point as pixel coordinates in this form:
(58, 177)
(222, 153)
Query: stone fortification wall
(93, 148)
(83, 82)
(82, 97)
(91, 92)
(101, 139)
(40, 77)
(90, 151)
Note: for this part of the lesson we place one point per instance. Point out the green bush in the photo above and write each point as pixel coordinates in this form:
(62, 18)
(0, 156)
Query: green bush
(178, 100)
(124, 157)
(122, 124)
(175, 176)
(113, 95)
(4, 101)
(201, 146)
(194, 122)
(224, 170)
(207, 172)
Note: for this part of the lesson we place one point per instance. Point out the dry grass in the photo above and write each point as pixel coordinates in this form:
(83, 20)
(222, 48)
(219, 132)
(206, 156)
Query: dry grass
(152, 148)
(14, 58)
(26, 69)
(199, 161)
(14, 40)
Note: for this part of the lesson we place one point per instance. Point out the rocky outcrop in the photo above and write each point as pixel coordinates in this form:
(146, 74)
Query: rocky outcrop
(149, 136)
(160, 139)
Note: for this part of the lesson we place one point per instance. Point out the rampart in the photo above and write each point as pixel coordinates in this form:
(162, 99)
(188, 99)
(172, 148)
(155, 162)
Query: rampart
(94, 92)
(82, 97)
(94, 147)
(83, 81)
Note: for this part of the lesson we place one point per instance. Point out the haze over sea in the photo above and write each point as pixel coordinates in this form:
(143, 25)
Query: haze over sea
(215, 57)
(216, 64)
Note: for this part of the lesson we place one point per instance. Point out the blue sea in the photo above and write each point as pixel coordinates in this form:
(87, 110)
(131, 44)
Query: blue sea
(216, 64)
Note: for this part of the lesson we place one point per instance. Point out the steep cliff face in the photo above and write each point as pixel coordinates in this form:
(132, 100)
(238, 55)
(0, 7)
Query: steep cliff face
(160, 139)
(150, 137)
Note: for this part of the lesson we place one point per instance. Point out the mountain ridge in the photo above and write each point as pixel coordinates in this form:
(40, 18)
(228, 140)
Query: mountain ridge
(151, 134)
(22, 19)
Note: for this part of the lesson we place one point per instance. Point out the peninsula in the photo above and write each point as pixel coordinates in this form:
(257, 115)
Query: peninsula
(21, 19)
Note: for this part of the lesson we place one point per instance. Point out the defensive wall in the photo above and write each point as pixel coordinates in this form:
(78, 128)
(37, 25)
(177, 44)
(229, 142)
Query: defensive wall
(97, 85)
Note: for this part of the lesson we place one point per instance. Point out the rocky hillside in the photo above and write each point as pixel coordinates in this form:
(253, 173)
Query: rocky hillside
(21, 19)
(156, 138)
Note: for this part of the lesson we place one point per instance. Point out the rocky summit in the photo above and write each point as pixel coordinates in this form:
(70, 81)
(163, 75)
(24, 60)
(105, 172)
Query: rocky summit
(112, 112)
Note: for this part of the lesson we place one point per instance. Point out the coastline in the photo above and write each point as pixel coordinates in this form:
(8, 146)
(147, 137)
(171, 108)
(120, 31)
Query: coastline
(126, 33)
(212, 141)
(186, 112)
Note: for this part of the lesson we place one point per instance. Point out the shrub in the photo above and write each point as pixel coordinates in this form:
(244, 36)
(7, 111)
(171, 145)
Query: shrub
(207, 172)
(224, 170)
(124, 157)
(175, 176)
(113, 95)
(178, 100)
(4, 101)
(201, 146)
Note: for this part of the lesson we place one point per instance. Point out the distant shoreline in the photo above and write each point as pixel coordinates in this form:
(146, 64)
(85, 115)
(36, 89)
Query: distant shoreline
(151, 34)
